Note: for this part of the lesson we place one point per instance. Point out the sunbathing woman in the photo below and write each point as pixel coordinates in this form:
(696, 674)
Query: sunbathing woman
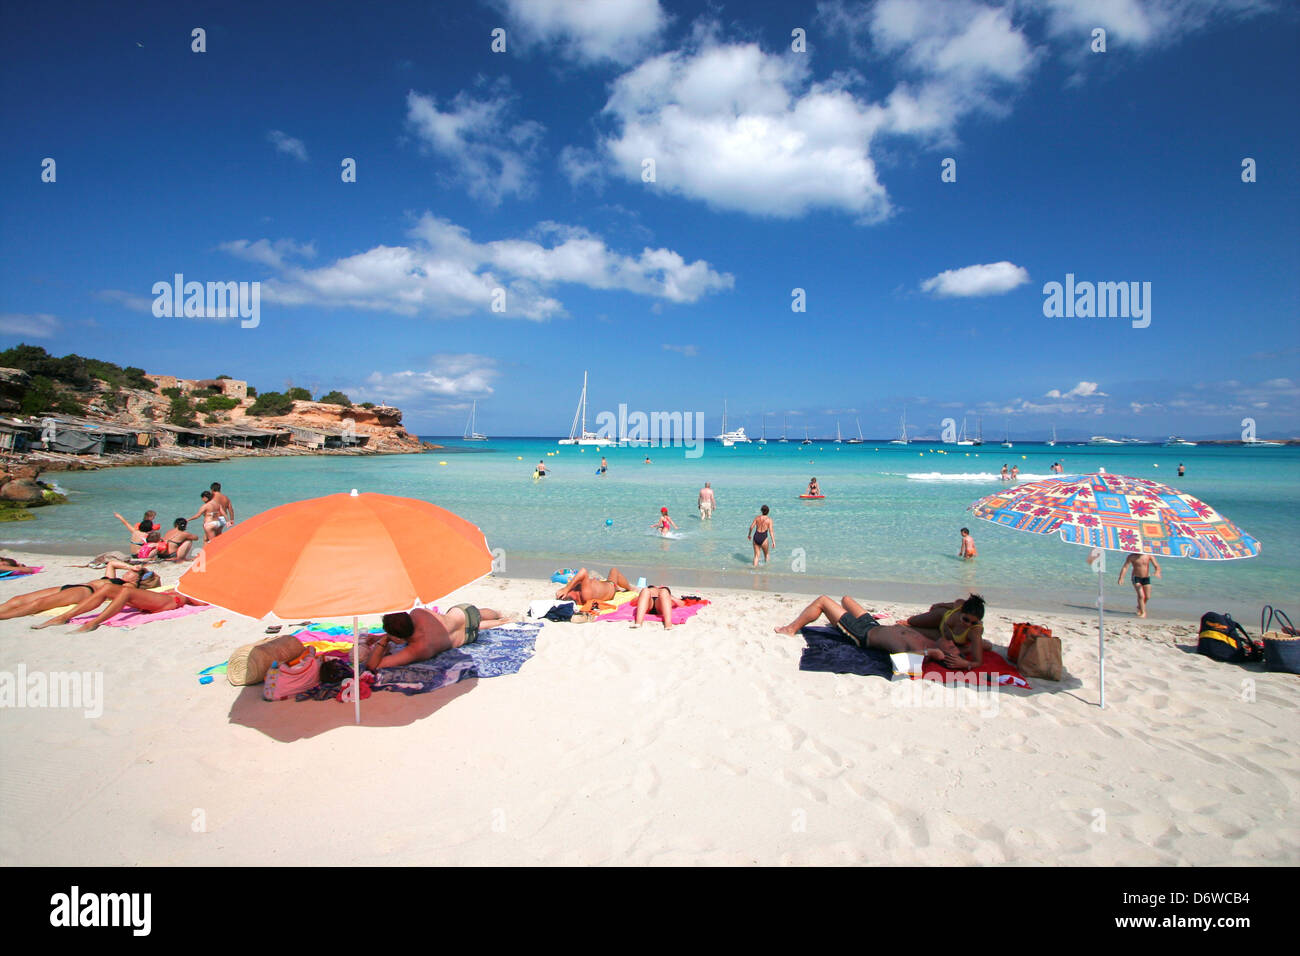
(120, 596)
(957, 627)
(582, 588)
(34, 602)
(858, 625)
(663, 602)
(14, 567)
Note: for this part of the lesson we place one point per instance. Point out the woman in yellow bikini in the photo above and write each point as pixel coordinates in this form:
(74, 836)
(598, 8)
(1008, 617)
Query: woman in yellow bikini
(958, 626)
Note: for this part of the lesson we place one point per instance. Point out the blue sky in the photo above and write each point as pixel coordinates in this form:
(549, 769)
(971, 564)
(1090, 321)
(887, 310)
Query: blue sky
(774, 170)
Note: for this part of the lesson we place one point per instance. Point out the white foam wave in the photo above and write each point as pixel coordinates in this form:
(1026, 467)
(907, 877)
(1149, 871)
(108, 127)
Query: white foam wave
(971, 476)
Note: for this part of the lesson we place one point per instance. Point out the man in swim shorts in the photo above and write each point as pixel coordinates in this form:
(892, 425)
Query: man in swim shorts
(427, 634)
(706, 502)
(582, 588)
(762, 535)
(861, 627)
(1142, 565)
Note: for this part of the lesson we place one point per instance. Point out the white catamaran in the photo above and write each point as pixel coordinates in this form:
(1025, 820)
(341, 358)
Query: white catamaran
(582, 436)
(470, 433)
(731, 438)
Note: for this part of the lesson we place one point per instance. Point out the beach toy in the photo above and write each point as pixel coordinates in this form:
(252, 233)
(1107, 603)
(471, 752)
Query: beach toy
(219, 623)
(562, 577)
(205, 679)
(813, 496)
(640, 582)
(609, 522)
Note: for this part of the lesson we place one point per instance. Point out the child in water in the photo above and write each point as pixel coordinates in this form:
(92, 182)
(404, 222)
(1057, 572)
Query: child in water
(666, 523)
(967, 545)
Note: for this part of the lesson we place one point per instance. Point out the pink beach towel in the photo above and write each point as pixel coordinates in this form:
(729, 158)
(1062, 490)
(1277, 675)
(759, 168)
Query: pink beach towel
(133, 617)
(628, 612)
(35, 569)
(994, 664)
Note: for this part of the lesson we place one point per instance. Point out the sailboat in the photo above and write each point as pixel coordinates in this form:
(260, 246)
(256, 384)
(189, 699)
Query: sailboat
(902, 430)
(838, 440)
(785, 429)
(470, 433)
(1006, 438)
(858, 440)
(1052, 443)
(731, 438)
(582, 436)
(806, 439)
(961, 436)
(979, 436)
(762, 439)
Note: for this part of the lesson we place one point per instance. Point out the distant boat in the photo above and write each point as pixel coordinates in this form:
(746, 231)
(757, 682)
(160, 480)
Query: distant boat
(961, 436)
(470, 433)
(1176, 442)
(1006, 438)
(838, 439)
(1053, 441)
(979, 437)
(858, 440)
(902, 430)
(763, 438)
(582, 436)
(806, 439)
(731, 438)
(1257, 443)
(1103, 440)
(785, 429)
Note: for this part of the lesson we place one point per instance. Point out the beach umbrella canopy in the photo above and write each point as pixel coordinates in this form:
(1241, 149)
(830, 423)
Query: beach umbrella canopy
(343, 555)
(1118, 513)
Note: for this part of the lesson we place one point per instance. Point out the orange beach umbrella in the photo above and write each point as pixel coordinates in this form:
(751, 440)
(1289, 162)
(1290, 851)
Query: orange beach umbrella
(339, 556)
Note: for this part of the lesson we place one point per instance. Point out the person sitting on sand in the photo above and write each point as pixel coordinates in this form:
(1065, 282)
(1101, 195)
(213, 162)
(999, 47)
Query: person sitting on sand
(967, 549)
(427, 634)
(762, 535)
(862, 628)
(152, 547)
(663, 601)
(46, 599)
(957, 628)
(665, 524)
(1142, 565)
(582, 588)
(139, 532)
(814, 489)
(120, 596)
(214, 521)
(178, 541)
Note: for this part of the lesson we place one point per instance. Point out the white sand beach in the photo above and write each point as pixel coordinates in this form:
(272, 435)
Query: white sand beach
(703, 745)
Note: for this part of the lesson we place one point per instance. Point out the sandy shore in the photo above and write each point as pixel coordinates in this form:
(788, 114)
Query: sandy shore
(705, 745)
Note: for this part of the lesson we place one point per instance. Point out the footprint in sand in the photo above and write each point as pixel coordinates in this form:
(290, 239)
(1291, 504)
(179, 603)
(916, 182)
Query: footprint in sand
(646, 779)
(801, 786)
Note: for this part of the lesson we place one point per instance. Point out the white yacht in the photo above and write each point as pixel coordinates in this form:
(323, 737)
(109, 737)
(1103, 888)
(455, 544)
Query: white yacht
(737, 437)
(1052, 443)
(961, 436)
(580, 435)
(806, 439)
(1176, 442)
(1006, 438)
(902, 431)
(858, 440)
(470, 433)
(1103, 440)
(1260, 443)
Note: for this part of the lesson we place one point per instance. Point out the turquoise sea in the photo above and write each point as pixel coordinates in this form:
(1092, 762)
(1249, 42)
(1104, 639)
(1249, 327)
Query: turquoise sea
(889, 526)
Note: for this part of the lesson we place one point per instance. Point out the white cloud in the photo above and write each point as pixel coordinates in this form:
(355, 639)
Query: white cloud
(288, 144)
(36, 325)
(994, 278)
(743, 130)
(1137, 23)
(449, 376)
(269, 253)
(1082, 390)
(688, 350)
(444, 273)
(590, 31)
(489, 153)
(138, 303)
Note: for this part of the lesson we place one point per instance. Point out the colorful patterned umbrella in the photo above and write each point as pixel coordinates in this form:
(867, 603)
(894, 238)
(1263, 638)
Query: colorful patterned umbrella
(1118, 513)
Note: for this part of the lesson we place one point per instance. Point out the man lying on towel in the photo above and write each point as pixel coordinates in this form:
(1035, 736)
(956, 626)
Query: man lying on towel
(120, 596)
(858, 625)
(427, 635)
(583, 588)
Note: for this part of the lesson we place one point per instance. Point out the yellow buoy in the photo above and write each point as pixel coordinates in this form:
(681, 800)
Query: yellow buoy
(442, 463)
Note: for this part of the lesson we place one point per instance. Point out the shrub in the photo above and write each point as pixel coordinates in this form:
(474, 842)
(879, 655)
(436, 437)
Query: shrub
(272, 404)
(336, 398)
(298, 395)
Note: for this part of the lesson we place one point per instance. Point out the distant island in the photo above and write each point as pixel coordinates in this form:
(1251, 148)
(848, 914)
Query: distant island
(77, 413)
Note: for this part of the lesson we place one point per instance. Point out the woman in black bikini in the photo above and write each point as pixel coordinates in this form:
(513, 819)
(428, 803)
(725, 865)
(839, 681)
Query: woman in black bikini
(34, 602)
(761, 533)
(663, 602)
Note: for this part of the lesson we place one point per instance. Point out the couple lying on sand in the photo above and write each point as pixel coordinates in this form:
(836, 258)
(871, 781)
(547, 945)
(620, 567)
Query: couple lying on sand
(951, 633)
(583, 589)
(122, 586)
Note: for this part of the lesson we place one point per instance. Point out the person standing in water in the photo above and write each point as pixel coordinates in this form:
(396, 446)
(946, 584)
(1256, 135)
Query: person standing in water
(1142, 565)
(665, 523)
(604, 465)
(762, 535)
(1182, 469)
(706, 502)
(227, 509)
(541, 468)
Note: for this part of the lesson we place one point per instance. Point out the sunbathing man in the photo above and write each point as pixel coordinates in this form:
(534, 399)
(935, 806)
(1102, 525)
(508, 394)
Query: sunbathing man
(582, 588)
(859, 626)
(957, 627)
(427, 634)
(663, 602)
(120, 596)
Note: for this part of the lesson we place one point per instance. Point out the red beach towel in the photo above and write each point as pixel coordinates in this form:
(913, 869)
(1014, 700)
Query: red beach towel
(993, 664)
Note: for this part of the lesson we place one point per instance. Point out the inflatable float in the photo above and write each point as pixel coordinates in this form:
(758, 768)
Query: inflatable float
(812, 497)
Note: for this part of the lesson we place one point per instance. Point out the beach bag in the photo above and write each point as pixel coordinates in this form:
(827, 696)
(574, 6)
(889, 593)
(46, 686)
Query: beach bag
(249, 664)
(1281, 646)
(1035, 652)
(293, 677)
(1223, 639)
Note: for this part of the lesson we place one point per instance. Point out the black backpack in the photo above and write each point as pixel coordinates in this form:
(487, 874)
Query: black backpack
(1223, 639)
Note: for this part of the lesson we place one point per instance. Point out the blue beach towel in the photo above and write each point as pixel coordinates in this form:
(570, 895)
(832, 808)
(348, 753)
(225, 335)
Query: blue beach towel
(497, 652)
(830, 651)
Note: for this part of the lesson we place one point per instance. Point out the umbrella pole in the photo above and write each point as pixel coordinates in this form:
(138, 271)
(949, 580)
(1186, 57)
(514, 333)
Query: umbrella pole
(356, 668)
(1101, 635)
